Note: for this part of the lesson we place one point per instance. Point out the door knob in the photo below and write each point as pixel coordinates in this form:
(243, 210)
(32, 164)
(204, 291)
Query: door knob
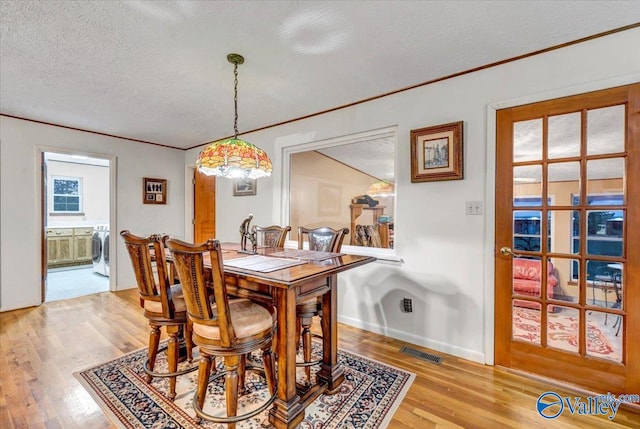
(506, 251)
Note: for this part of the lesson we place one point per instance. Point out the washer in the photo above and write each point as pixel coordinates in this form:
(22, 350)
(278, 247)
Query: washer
(97, 249)
(105, 251)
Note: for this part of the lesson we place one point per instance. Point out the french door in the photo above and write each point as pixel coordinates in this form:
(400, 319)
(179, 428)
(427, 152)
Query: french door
(567, 244)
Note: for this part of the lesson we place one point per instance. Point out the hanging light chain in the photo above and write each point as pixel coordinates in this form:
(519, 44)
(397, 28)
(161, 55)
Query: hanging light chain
(235, 100)
(234, 158)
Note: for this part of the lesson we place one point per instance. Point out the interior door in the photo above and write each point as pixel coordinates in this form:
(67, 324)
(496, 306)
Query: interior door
(204, 207)
(43, 224)
(567, 257)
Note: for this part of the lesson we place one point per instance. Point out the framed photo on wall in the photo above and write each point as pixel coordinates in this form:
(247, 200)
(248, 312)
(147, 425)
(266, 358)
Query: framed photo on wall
(154, 191)
(436, 153)
(244, 186)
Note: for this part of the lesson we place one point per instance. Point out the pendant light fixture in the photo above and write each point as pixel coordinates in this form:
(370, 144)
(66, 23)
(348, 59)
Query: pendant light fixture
(381, 188)
(234, 157)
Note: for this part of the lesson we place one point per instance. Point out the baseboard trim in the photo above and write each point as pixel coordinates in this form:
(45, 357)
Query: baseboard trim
(450, 349)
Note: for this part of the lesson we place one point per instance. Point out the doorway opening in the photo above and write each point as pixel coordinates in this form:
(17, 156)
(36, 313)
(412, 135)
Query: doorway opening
(75, 217)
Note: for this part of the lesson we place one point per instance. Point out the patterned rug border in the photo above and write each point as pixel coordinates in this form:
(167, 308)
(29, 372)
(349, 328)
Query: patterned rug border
(94, 393)
(401, 394)
(119, 420)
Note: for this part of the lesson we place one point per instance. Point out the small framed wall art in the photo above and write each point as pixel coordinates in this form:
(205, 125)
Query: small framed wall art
(154, 191)
(244, 186)
(436, 153)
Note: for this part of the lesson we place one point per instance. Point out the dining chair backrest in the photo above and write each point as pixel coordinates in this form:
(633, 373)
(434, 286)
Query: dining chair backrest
(189, 260)
(271, 236)
(151, 286)
(322, 239)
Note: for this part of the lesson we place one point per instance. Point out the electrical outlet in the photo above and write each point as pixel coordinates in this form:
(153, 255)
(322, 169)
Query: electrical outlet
(473, 207)
(406, 305)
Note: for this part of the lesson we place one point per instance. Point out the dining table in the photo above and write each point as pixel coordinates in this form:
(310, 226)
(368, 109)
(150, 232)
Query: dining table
(284, 277)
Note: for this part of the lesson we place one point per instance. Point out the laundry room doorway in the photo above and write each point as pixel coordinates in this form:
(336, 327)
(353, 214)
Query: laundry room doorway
(76, 212)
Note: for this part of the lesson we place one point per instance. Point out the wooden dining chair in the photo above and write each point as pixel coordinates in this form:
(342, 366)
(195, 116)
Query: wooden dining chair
(163, 305)
(230, 328)
(322, 239)
(271, 236)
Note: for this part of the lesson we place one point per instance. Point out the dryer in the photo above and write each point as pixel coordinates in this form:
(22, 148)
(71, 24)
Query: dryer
(105, 251)
(97, 249)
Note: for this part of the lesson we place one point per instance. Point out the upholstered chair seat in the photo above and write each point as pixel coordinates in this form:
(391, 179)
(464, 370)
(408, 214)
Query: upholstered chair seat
(179, 305)
(308, 305)
(248, 319)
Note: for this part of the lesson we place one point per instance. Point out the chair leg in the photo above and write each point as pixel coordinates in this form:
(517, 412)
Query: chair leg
(231, 364)
(269, 369)
(204, 369)
(154, 341)
(172, 357)
(188, 339)
(618, 324)
(298, 333)
(242, 366)
(306, 345)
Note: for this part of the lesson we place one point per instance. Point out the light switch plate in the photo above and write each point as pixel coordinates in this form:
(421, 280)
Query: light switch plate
(473, 208)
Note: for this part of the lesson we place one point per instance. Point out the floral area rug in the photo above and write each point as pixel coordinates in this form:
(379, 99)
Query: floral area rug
(367, 398)
(562, 332)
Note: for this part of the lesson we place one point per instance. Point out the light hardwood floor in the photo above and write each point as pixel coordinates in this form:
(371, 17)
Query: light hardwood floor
(41, 347)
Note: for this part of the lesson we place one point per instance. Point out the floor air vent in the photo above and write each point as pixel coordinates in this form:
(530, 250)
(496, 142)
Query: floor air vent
(422, 355)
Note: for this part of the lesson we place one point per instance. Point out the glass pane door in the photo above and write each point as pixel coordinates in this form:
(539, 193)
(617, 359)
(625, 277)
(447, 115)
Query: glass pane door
(565, 216)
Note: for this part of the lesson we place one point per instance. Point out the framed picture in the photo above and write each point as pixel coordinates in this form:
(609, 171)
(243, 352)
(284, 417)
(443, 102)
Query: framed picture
(242, 187)
(154, 191)
(436, 153)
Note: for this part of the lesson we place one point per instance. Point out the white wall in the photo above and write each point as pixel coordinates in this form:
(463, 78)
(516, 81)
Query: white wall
(20, 143)
(95, 191)
(448, 256)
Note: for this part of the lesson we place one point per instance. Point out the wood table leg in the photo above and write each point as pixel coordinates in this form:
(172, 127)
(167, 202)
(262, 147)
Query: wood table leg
(330, 371)
(287, 411)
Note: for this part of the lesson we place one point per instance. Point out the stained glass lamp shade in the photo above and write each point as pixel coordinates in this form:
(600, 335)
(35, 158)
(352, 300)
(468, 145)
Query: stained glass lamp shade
(381, 188)
(234, 158)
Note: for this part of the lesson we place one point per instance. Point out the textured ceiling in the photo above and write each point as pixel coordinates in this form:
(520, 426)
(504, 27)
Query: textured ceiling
(157, 71)
(373, 157)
